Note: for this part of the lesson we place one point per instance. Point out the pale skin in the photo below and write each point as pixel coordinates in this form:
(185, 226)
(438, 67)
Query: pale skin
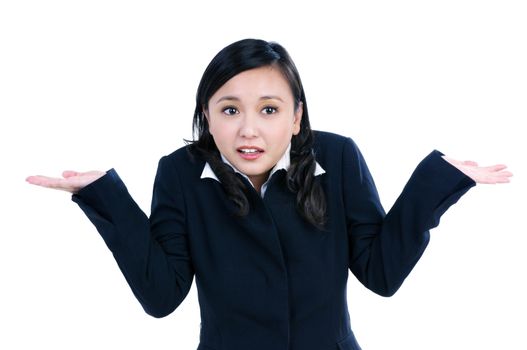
(256, 109)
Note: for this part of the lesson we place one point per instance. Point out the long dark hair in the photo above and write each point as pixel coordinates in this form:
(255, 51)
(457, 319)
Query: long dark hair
(235, 58)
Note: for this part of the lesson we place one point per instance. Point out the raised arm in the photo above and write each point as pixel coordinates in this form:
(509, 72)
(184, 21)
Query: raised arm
(384, 248)
(152, 252)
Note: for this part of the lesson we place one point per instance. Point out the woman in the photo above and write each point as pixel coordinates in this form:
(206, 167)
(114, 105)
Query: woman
(266, 213)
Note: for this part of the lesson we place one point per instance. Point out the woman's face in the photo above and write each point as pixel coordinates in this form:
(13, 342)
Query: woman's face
(252, 119)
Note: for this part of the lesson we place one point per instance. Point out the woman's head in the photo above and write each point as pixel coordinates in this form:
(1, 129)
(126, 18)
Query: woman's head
(251, 95)
(252, 118)
(249, 70)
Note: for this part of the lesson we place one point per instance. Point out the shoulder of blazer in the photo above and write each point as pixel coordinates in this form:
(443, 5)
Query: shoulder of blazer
(328, 139)
(329, 147)
(186, 162)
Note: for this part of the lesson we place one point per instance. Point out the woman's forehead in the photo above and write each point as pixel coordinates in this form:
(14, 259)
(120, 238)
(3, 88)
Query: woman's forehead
(254, 84)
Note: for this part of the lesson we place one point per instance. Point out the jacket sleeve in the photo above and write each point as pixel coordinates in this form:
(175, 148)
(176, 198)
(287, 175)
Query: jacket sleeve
(152, 252)
(384, 248)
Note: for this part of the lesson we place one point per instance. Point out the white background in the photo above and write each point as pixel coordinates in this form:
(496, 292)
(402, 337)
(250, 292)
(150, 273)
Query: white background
(101, 84)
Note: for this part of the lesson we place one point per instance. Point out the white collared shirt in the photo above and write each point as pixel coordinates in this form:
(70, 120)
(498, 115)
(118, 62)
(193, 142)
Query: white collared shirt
(283, 163)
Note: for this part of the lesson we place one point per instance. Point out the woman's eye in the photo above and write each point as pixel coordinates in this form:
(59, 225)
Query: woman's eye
(270, 110)
(230, 110)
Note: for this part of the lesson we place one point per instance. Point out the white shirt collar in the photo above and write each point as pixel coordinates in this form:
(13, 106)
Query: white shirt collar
(283, 163)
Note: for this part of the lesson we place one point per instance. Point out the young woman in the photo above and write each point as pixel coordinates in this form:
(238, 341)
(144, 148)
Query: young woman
(266, 213)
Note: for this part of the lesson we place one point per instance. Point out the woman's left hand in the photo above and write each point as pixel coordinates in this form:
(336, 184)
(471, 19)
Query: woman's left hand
(484, 175)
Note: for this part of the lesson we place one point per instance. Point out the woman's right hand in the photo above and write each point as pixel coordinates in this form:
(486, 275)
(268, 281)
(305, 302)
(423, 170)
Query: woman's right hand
(72, 181)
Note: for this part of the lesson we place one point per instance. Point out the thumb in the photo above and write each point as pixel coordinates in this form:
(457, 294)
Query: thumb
(69, 173)
(469, 162)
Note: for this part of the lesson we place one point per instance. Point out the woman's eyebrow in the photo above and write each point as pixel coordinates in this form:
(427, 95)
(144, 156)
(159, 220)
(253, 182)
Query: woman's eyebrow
(234, 98)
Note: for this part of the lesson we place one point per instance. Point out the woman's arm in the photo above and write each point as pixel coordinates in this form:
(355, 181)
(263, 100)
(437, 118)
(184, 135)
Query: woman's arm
(152, 253)
(384, 247)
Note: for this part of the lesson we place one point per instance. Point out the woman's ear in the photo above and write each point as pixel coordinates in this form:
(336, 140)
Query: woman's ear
(298, 118)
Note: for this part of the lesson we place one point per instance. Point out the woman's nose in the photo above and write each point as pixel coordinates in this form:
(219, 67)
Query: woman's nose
(248, 127)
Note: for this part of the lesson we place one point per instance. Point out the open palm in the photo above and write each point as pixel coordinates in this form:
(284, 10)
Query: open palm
(481, 174)
(72, 181)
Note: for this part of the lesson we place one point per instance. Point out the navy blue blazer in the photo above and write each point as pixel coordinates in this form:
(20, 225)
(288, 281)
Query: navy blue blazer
(269, 280)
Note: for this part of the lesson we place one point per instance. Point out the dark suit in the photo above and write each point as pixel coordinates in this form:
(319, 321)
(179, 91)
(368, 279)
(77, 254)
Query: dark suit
(270, 281)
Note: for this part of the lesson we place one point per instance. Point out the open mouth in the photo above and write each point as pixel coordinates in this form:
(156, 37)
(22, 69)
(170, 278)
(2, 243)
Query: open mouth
(249, 150)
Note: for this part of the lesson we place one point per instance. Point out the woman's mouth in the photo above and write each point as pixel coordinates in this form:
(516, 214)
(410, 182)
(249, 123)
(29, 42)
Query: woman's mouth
(250, 153)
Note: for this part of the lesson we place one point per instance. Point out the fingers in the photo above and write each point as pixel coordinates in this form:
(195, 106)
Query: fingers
(42, 180)
(504, 177)
(498, 180)
(489, 177)
(492, 168)
(35, 179)
(49, 182)
(496, 167)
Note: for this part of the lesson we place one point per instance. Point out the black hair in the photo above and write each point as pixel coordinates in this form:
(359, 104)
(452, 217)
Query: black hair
(233, 59)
